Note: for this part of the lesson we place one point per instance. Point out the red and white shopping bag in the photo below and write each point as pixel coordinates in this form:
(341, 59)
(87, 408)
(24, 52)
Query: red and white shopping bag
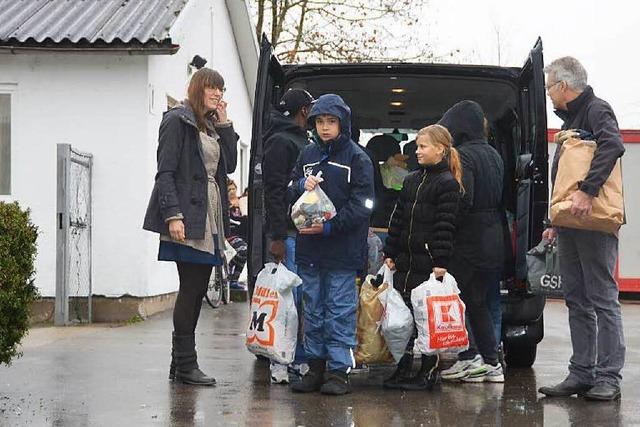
(273, 319)
(439, 315)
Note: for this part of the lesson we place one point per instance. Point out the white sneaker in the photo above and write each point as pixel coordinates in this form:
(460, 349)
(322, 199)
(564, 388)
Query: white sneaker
(464, 368)
(492, 374)
(279, 373)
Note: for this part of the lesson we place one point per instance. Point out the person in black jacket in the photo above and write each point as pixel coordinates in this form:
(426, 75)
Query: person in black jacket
(189, 206)
(286, 136)
(478, 259)
(421, 233)
(588, 258)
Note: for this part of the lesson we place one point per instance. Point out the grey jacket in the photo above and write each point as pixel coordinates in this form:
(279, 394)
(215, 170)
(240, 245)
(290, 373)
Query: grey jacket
(181, 181)
(590, 113)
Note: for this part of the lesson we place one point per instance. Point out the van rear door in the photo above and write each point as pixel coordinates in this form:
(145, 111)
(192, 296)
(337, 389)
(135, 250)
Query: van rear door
(268, 87)
(532, 165)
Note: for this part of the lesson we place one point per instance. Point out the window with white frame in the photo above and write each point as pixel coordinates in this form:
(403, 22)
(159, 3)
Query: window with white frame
(5, 143)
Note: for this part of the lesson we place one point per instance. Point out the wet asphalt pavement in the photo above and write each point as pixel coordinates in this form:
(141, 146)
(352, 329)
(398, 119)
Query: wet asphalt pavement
(117, 376)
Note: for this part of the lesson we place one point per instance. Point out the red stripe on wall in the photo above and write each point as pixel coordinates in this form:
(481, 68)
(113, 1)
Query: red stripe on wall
(626, 284)
(629, 136)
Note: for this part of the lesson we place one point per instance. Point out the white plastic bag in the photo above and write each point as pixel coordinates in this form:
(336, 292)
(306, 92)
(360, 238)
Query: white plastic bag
(375, 258)
(387, 275)
(229, 251)
(397, 322)
(439, 315)
(273, 318)
(313, 207)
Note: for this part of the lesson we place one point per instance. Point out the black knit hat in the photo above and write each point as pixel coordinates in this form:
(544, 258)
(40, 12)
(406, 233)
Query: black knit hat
(293, 101)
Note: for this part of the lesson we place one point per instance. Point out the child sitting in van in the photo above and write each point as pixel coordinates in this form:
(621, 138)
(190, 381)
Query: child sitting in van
(421, 236)
(329, 254)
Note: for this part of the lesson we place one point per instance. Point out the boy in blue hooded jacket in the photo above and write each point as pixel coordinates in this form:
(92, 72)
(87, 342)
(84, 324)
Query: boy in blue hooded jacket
(329, 254)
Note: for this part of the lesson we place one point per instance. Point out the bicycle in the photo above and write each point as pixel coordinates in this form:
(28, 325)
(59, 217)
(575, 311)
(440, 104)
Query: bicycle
(218, 290)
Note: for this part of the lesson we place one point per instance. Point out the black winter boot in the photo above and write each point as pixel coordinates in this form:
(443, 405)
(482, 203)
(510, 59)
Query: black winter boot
(427, 378)
(313, 379)
(187, 370)
(337, 384)
(172, 366)
(402, 373)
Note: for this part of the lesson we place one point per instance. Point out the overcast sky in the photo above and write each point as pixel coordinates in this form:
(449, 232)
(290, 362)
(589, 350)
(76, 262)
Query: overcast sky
(604, 36)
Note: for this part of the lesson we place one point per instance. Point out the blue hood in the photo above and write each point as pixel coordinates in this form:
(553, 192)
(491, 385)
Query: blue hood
(335, 106)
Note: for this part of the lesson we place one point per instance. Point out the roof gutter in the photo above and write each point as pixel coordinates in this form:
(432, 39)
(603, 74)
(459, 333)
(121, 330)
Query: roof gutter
(165, 50)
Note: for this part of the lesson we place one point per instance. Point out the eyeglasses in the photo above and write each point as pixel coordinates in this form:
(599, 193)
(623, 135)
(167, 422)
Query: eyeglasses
(549, 87)
(221, 89)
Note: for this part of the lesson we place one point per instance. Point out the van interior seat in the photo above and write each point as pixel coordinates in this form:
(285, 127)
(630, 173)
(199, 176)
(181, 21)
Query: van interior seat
(382, 147)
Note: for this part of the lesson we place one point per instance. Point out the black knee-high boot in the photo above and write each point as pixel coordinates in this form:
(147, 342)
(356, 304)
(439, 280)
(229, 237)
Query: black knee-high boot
(402, 373)
(172, 366)
(187, 369)
(427, 378)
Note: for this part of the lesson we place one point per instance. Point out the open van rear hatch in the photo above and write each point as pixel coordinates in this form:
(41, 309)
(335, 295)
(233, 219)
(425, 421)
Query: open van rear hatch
(410, 96)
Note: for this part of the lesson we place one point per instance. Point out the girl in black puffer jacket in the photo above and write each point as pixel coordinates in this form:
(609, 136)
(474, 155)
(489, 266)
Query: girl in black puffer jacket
(421, 235)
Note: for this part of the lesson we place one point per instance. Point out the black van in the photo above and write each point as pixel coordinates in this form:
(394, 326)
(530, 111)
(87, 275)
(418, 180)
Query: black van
(409, 96)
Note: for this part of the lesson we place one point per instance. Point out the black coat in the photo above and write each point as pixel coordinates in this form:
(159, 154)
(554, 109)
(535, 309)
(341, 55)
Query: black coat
(422, 226)
(480, 238)
(181, 181)
(590, 113)
(283, 141)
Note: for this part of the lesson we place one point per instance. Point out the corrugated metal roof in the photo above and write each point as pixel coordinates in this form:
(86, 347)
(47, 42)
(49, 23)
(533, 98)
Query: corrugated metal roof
(88, 23)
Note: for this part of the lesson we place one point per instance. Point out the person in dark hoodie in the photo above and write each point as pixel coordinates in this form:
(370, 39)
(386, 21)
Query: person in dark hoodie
(329, 254)
(588, 257)
(189, 206)
(284, 140)
(421, 237)
(478, 256)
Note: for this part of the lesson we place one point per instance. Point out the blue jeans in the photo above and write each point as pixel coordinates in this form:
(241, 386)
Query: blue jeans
(494, 301)
(330, 301)
(290, 263)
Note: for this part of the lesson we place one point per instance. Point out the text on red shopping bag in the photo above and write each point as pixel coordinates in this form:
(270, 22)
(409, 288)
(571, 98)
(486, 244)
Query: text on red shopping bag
(446, 322)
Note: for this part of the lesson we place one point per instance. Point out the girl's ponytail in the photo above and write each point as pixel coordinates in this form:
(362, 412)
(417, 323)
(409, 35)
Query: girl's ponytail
(456, 167)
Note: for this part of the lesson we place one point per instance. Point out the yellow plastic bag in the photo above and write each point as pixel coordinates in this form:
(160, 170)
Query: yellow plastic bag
(371, 347)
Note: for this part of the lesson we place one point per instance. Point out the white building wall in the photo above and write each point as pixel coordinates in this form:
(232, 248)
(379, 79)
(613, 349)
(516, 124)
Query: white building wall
(96, 103)
(203, 28)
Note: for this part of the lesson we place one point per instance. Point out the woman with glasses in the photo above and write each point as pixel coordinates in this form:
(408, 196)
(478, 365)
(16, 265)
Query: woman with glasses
(196, 151)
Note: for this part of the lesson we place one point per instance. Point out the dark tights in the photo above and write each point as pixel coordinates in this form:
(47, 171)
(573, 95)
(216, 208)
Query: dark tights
(194, 279)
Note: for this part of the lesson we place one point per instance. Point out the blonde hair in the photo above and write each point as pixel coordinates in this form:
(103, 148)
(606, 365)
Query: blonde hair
(438, 134)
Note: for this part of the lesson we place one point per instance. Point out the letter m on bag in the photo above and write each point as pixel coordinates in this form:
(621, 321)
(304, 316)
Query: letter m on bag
(257, 321)
(260, 328)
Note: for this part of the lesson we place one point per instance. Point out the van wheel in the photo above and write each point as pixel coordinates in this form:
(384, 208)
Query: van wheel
(520, 355)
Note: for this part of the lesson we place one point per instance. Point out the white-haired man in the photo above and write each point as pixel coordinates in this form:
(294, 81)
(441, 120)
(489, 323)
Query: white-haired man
(588, 258)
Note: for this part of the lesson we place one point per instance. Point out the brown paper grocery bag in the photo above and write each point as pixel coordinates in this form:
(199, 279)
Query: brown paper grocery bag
(371, 347)
(573, 166)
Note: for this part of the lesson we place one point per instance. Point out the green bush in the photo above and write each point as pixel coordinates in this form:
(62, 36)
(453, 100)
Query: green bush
(17, 291)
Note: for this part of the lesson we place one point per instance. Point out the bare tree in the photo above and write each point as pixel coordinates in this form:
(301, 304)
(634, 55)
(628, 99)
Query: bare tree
(343, 30)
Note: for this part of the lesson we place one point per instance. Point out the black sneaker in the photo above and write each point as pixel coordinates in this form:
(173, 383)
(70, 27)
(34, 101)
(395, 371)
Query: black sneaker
(312, 380)
(337, 384)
